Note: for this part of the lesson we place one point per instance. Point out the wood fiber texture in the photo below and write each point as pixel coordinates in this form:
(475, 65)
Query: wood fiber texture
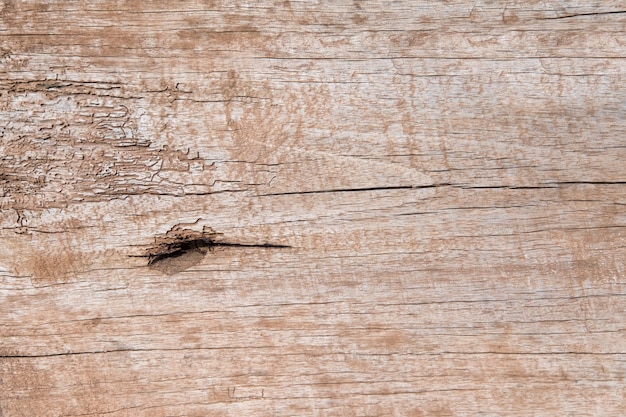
(330, 208)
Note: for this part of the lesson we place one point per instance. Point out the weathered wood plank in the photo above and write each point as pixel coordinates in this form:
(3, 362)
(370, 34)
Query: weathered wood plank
(448, 179)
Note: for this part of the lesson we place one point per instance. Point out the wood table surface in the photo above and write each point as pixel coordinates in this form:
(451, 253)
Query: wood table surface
(328, 208)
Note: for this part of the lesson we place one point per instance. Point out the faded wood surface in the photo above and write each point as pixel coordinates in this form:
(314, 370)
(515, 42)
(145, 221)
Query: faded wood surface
(448, 180)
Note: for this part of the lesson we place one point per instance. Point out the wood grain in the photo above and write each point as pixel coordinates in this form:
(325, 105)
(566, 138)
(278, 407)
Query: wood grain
(448, 180)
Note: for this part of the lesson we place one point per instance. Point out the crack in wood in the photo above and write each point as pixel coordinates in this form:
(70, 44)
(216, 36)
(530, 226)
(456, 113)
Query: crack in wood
(180, 248)
(569, 16)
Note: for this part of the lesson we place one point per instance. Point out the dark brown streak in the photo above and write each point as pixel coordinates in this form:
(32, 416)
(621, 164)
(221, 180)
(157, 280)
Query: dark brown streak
(176, 249)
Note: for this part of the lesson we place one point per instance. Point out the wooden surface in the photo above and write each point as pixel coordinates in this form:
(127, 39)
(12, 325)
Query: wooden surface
(447, 178)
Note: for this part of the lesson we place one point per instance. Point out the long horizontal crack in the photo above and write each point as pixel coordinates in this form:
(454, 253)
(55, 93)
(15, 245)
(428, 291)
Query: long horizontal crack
(99, 352)
(439, 185)
(585, 14)
(441, 353)
(540, 186)
(352, 190)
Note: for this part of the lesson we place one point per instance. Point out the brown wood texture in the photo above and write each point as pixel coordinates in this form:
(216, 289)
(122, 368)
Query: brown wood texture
(331, 208)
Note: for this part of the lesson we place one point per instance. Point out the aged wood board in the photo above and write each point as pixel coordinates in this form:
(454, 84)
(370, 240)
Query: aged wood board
(331, 208)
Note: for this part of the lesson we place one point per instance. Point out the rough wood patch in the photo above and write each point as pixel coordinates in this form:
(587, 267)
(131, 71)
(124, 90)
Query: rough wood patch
(447, 179)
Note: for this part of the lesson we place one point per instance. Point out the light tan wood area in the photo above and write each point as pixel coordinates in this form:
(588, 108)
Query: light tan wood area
(329, 208)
